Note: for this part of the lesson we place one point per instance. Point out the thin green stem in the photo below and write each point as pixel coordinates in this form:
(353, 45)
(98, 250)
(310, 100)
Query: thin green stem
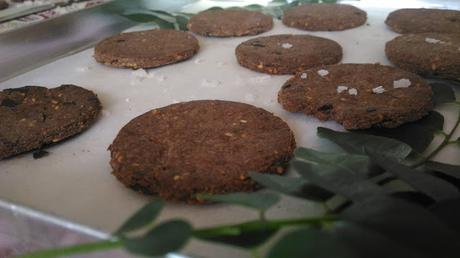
(76, 249)
(226, 230)
(236, 229)
(441, 146)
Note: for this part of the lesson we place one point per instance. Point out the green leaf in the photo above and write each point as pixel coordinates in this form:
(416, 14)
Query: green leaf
(294, 186)
(214, 8)
(448, 212)
(447, 169)
(437, 189)
(337, 180)
(359, 143)
(142, 218)
(254, 7)
(165, 238)
(369, 243)
(246, 235)
(442, 93)
(144, 17)
(310, 242)
(257, 200)
(408, 224)
(418, 134)
(182, 22)
(358, 165)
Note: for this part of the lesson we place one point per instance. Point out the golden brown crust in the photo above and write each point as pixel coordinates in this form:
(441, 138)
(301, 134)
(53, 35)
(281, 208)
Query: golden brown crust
(200, 146)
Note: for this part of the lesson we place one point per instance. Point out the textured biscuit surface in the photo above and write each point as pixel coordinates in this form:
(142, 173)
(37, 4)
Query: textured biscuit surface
(424, 20)
(146, 49)
(324, 17)
(287, 54)
(33, 116)
(200, 146)
(358, 96)
(230, 23)
(428, 54)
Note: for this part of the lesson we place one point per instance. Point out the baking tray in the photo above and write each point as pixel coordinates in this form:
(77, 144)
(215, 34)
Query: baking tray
(74, 181)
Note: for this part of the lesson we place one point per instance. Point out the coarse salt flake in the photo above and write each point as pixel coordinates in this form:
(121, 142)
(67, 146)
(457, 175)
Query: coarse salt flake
(353, 91)
(432, 40)
(341, 88)
(303, 76)
(198, 61)
(140, 73)
(378, 90)
(323, 72)
(401, 83)
(286, 45)
(82, 69)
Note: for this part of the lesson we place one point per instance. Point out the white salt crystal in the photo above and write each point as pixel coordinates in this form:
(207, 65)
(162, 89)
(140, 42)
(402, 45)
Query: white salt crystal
(198, 61)
(140, 73)
(82, 69)
(432, 40)
(260, 79)
(402, 83)
(353, 91)
(378, 90)
(286, 45)
(323, 72)
(341, 88)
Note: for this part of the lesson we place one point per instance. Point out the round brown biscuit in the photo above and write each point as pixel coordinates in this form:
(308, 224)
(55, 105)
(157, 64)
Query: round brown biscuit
(424, 20)
(230, 23)
(324, 17)
(146, 49)
(317, 92)
(3, 4)
(287, 54)
(205, 146)
(35, 116)
(428, 54)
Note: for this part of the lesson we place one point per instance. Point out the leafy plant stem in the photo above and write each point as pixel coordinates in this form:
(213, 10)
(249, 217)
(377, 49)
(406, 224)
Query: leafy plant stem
(232, 230)
(445, 142)
(76, 249)
(262, 216)
(203, 233)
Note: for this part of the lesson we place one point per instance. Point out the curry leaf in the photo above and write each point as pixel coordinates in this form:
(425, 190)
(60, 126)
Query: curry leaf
(142, 218)
(359, 143)
(165, 238)
(310, 242)
(294, 186)
(434, 187)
